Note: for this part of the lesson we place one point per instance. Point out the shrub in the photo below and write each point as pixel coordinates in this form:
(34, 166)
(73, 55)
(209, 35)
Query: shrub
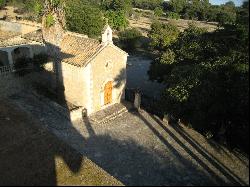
(84, 18)
(49, 20)
(158, 11)
(117, 19)
(173, 15)
(162, 35)
(2, 3)
(129, 39)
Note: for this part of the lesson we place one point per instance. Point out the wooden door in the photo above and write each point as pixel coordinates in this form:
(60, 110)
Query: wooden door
(108, 93)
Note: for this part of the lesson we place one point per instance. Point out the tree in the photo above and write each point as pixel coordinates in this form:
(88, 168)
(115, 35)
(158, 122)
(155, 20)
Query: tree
(2, 3)
(129, 39)
(206, 77)
(162, 35)
(84, 18)
(227, 14)
(117, 5)
(158, 11)
(117, 19)
(177, 6)
(147, 4)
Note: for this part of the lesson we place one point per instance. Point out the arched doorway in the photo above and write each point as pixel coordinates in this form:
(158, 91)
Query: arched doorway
(108, 93)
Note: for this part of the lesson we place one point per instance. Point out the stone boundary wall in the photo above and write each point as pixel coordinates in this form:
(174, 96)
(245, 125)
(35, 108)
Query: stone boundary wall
(10, 26)
(72, 115)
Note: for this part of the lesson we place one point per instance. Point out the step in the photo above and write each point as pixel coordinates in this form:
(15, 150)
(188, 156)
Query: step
(110, 113)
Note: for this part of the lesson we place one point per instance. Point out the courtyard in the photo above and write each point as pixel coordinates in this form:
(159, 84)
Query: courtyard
(135, 148)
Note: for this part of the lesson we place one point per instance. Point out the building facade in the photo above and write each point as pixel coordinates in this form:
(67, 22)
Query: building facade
(90, 73)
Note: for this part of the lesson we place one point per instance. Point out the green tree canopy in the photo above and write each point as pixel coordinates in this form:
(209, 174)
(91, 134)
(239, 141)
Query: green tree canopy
(2, 2)
(147, 4)
(84, 18)
(129, 39)
(207, 79)
(162, 35)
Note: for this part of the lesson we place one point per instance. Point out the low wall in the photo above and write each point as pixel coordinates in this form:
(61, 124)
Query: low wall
(9, 26)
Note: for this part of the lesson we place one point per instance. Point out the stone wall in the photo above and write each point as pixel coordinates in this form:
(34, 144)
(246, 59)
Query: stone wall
(109, 65)
(17, 27)
(73, 79)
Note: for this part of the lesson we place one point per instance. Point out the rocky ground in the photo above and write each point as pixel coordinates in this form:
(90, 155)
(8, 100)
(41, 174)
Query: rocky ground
(137, 148)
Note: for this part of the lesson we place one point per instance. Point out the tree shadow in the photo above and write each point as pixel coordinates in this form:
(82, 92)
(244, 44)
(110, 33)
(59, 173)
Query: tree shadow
(134, 164)
(234, 180)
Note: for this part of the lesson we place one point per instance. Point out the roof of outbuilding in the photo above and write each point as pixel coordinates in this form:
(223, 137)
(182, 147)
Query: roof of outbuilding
(13, 41)
(36, 36)
(18, 39)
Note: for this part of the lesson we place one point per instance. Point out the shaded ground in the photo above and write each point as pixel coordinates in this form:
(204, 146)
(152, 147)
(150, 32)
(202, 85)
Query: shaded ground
(137, 76)
(30, 155)
(139, 149)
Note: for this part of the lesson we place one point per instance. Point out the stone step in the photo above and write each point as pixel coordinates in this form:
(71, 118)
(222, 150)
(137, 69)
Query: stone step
(110, 113)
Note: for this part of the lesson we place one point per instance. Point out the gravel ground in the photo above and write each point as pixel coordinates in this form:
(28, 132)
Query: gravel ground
(139, 149)
(31, 155)
(137, 76)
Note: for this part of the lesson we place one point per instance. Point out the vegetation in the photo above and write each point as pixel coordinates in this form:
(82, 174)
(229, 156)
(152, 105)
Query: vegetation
(116, 12)
(117, 19)
(129, 39)
(173, 15)
(2, 2)
(202, 10)
(84, 18)
(162, 35)
(158, 11)
(49, 20)
(147, 4)
(206, 77)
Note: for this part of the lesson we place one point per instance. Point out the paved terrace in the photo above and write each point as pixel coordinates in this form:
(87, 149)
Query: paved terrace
(139, 149)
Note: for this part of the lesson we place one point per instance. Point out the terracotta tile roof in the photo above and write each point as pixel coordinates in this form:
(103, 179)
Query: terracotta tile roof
(18, 39)
(77, 49)
(36, 36)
